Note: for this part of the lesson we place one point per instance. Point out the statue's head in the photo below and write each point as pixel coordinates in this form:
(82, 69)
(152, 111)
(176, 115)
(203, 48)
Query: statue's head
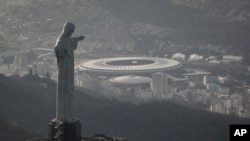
(68, 29)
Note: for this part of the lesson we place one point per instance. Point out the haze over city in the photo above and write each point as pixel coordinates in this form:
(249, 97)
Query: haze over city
(146, 70)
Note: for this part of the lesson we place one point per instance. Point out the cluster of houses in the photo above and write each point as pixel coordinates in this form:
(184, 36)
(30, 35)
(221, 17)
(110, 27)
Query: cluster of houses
(210, 59)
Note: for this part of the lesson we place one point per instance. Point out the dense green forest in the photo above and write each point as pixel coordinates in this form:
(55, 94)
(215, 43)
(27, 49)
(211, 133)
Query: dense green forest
(32, 106)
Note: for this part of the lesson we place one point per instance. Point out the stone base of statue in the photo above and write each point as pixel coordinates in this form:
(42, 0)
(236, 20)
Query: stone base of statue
(65, 131)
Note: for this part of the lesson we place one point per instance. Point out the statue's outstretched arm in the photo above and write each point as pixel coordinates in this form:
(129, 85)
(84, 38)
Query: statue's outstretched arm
(80, 38)
(75, 41)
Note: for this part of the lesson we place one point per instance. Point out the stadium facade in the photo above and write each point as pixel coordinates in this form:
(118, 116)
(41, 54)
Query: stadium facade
(129, 66)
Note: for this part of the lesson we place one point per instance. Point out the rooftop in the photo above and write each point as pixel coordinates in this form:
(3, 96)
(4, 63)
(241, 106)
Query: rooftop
(129, 65)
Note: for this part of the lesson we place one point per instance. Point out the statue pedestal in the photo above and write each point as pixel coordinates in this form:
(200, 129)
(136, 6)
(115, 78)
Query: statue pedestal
(65, 131)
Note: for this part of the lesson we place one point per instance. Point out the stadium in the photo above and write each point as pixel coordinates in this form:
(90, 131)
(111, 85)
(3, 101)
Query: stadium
(129, 66)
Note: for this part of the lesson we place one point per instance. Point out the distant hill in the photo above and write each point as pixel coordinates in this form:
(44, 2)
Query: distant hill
(203, 21)
(193, 22)
(159, 12)
(32, 105)
(187, 12)
(196, 22)
(211, 21)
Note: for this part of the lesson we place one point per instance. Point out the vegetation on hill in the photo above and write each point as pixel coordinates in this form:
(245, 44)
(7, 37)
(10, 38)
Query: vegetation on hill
(223, 22)
(193, 22)
(32, 105)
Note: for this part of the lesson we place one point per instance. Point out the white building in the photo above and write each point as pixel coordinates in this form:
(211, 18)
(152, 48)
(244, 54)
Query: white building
(197, 78)
(211, 58)
(179, 56)
(214, 61)
(226, 104)
(159, 84)
(195, 57)
(229, 58)
(132, 86)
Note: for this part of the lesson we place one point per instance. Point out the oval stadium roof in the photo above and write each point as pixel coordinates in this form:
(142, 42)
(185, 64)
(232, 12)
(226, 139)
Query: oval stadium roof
(129, 65)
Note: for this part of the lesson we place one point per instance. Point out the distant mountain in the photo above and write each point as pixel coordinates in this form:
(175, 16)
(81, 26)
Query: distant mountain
(32, 105)
(172, 11)
(222, 10)
(195, 22)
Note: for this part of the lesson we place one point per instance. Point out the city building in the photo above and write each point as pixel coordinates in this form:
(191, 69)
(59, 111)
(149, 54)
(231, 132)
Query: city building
(179, 56)
(197, 77)
(195, 57)
(228, 104)
(160, 86)
(230, 59)
(132, 86)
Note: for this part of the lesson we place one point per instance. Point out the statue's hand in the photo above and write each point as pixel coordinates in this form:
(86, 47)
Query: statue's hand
(81, 38)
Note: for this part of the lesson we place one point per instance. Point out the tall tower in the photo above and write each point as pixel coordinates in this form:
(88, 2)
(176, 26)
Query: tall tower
(159, 84)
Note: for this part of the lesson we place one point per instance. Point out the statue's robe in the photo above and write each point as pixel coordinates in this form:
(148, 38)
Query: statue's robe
(64, 51)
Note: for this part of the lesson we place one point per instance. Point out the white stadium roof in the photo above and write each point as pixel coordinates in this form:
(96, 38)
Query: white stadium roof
(129, 65)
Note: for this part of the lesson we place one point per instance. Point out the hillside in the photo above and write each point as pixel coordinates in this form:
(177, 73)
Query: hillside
(11, 131)
(188, 22)
(225, 22)
(31, 105)
(172, 11)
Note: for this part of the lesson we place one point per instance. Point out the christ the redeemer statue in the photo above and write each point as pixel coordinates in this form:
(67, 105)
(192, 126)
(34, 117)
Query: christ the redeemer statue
(64, 50)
